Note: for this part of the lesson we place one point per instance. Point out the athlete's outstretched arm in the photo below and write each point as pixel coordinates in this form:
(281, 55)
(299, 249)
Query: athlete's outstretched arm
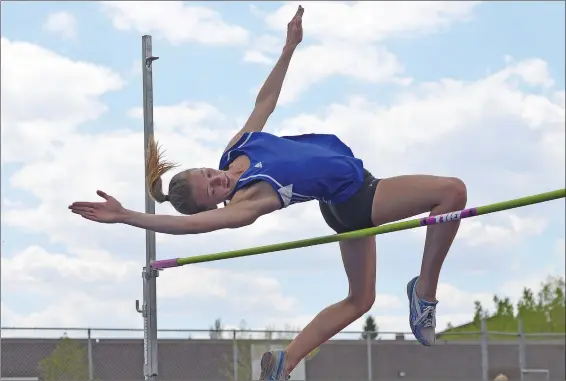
(211, 220)
(269, 93)
(111, 211)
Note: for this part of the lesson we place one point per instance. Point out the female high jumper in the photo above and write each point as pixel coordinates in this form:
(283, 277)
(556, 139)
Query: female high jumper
(260, 173)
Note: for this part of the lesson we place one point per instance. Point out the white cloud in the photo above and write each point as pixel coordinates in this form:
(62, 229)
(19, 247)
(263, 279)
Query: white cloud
(187, 118)
(257, 57)
(77, 309)
(500, 230)
(33, 265)
(35, 116)
(96, 278)
(345, 37)
(534, 72)
(63, 24)
(175, 21)
(103, 285)
(43, 180)
(456, 300)
(369, 22)
(263, 49)
(8, 203)
(136, 68)
(313, 63)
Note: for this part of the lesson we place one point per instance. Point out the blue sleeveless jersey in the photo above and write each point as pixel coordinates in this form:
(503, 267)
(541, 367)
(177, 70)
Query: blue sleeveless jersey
(299, 168)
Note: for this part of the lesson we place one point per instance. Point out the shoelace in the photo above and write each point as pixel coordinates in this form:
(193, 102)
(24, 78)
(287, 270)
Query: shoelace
(427, 318)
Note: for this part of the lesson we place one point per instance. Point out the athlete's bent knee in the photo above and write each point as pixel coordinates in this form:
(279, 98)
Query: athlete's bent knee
(362, 303)
(456, 193)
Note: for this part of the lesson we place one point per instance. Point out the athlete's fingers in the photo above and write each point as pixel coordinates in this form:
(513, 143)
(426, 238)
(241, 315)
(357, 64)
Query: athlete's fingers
(81, 204)
(102, 194)
(83, 209)
(89, 217)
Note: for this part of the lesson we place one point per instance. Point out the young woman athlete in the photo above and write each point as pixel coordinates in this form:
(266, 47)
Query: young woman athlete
(260, 173)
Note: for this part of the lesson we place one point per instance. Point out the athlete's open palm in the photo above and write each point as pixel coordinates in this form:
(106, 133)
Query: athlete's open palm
(109, 212)
(295, 28)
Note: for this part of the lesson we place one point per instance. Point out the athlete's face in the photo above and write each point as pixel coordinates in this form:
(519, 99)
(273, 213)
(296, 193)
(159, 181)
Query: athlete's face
(210, 186)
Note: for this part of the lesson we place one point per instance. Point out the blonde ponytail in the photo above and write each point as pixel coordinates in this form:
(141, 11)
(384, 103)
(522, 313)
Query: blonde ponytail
(155, 168)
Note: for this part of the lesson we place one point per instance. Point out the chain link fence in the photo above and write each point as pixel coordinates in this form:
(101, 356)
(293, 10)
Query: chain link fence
(117, 354)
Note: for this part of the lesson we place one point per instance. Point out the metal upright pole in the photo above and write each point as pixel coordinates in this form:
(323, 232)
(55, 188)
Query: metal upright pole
(522, 347)
(89, 352)
(235, 354)
(484, 351)
(369, 356)
(0, 352)
(149, 275)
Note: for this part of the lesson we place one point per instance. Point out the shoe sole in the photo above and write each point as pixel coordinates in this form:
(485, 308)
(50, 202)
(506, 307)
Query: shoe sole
(266, 365)
(409, 292)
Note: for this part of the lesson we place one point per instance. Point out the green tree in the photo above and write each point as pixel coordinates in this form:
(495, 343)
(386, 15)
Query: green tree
(503, 307)
(540, 311)
(557, 306)
(546, 312)
(68, 361)
(479, 313)
(217, 330)
(527, 303)
(370, 328)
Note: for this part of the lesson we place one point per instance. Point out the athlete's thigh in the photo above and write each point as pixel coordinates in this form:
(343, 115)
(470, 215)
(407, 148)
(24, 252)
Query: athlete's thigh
(401, 197)
(359, 258)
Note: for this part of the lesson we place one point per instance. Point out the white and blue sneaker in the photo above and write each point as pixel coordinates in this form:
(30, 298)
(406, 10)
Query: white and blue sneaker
(422, 315)
(273, 365)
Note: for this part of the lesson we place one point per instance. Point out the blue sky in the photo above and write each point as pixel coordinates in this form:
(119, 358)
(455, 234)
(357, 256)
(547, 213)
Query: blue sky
(463, 96)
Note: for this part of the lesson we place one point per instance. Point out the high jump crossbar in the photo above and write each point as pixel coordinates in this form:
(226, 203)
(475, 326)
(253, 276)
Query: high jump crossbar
(398, 226)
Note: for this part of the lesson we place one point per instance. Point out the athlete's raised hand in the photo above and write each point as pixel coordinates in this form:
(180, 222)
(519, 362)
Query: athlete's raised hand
(295, 28)
(109, 212)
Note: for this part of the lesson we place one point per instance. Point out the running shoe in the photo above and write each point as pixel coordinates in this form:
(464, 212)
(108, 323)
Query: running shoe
(422, 315)
(273, 365)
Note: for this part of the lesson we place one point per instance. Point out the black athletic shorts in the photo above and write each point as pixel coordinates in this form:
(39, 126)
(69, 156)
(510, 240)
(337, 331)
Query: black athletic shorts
(355, 213)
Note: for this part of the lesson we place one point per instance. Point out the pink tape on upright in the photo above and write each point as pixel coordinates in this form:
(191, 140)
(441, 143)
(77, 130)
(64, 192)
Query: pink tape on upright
(164, 264)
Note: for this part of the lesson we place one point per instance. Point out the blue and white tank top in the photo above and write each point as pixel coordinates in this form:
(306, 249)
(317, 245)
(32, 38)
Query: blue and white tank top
(299, 168)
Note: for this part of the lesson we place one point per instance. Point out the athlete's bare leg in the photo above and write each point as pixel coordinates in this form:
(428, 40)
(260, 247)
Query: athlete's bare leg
(400, 197)
(359, 258)
(405, 196)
